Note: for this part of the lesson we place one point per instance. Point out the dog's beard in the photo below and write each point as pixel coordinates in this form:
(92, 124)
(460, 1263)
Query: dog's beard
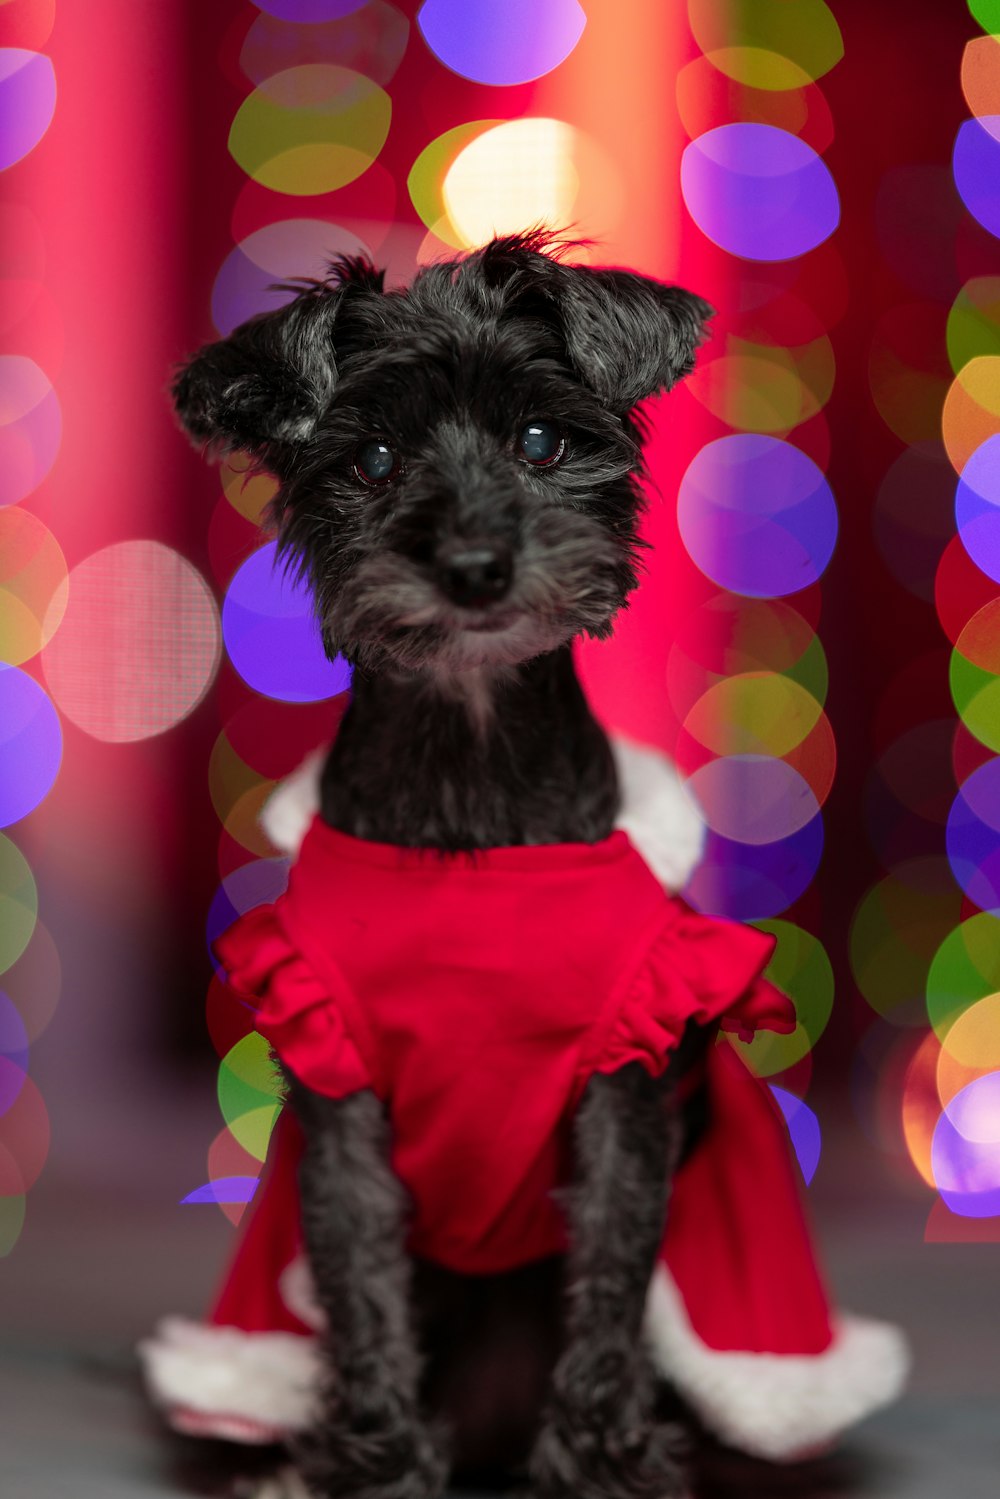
(571, 577)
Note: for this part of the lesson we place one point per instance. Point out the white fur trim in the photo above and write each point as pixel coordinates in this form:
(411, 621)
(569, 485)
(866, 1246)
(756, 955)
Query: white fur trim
(237, 1381)
(294, 802)
(297, 1290)
(658, 813)
(776, 1407)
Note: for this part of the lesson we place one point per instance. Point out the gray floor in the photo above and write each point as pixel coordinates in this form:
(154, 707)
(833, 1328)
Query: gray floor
(99, 1260)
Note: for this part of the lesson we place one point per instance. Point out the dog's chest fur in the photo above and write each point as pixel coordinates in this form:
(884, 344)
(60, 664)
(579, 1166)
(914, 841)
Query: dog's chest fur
(500, 758)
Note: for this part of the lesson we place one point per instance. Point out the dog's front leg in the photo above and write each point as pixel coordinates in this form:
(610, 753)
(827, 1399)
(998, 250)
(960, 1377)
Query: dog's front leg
(368, 1441)
(599, 1439)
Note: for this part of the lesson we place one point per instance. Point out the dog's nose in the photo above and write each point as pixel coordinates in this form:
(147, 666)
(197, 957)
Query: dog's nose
(475, 574)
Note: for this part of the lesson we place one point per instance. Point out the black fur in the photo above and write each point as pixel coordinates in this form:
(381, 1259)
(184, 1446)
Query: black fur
(468, 729)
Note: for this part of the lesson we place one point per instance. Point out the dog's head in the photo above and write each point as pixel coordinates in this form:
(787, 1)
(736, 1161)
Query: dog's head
(458, 461)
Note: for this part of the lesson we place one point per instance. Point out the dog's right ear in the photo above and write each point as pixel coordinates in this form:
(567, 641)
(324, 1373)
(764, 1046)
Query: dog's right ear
(265, 388)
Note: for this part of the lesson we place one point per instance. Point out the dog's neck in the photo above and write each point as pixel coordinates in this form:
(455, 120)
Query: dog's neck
(477, 760)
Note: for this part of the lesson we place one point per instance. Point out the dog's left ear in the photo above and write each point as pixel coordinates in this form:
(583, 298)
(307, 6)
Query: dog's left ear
(266, 387)
(628, 336)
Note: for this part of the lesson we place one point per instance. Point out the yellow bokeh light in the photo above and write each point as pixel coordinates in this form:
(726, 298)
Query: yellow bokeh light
(971, 1047)
(971, 409)
(514, 177)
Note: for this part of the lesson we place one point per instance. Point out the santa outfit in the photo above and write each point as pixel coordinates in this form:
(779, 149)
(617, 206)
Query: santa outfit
(476, 995)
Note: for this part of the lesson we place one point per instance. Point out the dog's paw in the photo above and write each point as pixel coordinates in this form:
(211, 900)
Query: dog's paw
(400, 1461)
(620, 1462)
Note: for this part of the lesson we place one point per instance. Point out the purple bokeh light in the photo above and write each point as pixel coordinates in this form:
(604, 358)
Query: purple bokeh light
(272, 636)
(30, 744)
(973, 836)
(803, 1126)
(977, 507)
(224, 1189)
(501, 42)
(756, 515)
(309, 11)
(750, 882)
(245, 284)
(753, 799)
(13, 1052)
(965, 1151)
(27, 102)
(257, 883)
(759, 192)
(975, 164)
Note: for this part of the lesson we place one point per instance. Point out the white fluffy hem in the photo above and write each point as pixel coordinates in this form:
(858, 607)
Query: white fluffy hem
(252, 1387)
(776, 1407)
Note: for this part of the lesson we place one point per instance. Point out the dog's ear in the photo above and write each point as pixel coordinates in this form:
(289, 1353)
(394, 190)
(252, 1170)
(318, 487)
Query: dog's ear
(628, 336)
(265, 387)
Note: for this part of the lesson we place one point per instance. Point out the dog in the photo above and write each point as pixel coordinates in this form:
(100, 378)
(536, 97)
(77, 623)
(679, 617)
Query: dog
(460, 469)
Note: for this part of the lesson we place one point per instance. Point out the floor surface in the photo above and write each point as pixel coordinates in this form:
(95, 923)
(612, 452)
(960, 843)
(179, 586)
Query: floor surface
(101, 1258)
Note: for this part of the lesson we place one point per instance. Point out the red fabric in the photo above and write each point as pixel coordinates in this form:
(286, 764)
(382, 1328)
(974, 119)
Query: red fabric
(737, 1243)
(476, 995)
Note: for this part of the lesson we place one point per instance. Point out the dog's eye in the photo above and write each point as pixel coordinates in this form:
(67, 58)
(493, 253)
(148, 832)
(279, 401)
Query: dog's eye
(541, 444)
(375, 462)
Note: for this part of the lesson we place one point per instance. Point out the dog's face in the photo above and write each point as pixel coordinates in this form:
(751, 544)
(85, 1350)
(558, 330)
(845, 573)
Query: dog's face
(458, 462)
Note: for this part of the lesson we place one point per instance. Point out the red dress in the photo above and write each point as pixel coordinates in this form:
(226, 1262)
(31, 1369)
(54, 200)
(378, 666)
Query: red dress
(476, 995)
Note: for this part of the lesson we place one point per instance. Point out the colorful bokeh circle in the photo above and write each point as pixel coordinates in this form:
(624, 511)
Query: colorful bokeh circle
(139, 644)
(759, 192)
(272, 636)
(501, 41)
(757, 516)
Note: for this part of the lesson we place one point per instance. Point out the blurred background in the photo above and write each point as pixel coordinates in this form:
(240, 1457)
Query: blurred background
(816, 643)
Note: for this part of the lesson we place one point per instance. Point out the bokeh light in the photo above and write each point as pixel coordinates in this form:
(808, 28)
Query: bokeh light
(751, 882)
(521, 172)
(802, 970)
(272, 636)
(139, 644)
(803, 1127)
(309, 12)
(310, 129)
(707, 97)
(18, 903)
(965, 969)
(370, 39)
(501, 41)
(249, 1090)
(976, 168)
(425, 182)
(27, 102)
(974, 835)
(971, 414)
(759, 192)
(766, 388)
(974, 319)
(33, 585)
(247, 490)
(753, 798)
(977, 507)
(249, 278)
(896, 933)
(30, 745)
(971, 1047)
(30, 427)
(769, 44)
(254, 884)
(965, 1154)
(757, 515)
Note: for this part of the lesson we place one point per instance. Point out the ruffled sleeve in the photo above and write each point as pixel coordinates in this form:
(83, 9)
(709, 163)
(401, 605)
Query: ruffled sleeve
(295, 1010)
(698, 968)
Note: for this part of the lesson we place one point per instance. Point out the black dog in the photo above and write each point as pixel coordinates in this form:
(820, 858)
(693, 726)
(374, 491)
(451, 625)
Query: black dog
(459, 468)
